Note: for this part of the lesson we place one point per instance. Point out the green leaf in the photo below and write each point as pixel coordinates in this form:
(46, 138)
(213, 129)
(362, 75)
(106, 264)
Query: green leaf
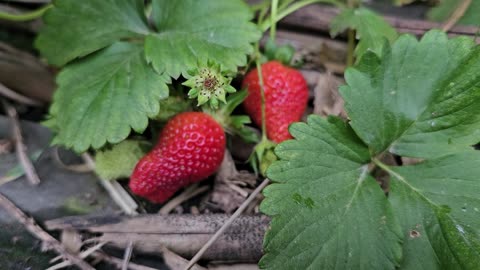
(328, 213)
(371, 29)
(438, 204)
(76, 28)
(445, 9)
(120, 160)
(201, 30)
(101, 98)
(420, 100)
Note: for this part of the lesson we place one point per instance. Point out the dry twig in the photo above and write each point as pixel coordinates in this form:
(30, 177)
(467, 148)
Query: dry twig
(115, 190)
(175, 261)
(127, 255)
(20, 148)
(118, 262)
(456, 15)
(34, 229)
(242, 207)
(187, 194)
(5, 146)
(79, 168)
(8, 93)
(83, 255)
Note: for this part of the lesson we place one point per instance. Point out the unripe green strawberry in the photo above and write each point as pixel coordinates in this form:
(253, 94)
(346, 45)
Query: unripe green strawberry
(286, 97)
(190, 148)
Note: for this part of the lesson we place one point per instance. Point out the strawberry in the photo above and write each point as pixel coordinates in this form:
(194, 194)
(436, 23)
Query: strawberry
(190, 148)
(286, 97)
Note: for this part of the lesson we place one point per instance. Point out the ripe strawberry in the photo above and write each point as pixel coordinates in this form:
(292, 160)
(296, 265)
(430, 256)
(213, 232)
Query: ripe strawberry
(286, 97)
(190, 148)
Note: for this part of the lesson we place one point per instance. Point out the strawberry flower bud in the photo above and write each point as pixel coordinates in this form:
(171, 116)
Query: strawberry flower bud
(209, 85)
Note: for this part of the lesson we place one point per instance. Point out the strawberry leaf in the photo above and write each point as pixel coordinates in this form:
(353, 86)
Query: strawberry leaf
(438, 205)
(76, 28)
(101, 98)
(323, 200)
(120, 160)
(201, 30)
(420, 100)
(372, 29)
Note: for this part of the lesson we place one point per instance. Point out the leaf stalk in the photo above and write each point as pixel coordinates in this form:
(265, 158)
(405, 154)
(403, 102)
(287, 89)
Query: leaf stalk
(25, 16)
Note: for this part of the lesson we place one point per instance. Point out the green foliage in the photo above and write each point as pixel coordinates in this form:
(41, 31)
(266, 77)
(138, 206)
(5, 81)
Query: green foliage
(174, 104)
(108, 87)
(445, 9)
(371, 29)
(100, 98)
(193, 31)
(120, 160)
(438, 204)
(422, 97)
(87, 26)
(329, 213)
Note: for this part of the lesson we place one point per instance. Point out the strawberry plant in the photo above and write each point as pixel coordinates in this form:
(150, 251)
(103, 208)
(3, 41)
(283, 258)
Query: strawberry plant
(131, 65)
(417, 99)
(118, 65)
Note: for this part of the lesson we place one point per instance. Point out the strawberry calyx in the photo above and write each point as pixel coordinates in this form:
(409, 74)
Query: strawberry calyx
(209, 84)
(281, 53)
(263, 156)
(234, 124)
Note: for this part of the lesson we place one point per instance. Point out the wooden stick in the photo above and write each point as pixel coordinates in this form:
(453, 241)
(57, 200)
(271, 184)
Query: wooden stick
(183, 234)
(242, 207)
(34, 229)
(20, 148)
(318, 18)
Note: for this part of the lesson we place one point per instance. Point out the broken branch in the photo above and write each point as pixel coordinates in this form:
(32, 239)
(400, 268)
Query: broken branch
(47, 239)
(20, 147)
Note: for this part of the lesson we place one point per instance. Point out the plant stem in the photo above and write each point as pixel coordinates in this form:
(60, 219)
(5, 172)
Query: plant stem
(26, 16)
(262, 93)
(387, 169)
(351, 37)
(288, 10)
(273, 19)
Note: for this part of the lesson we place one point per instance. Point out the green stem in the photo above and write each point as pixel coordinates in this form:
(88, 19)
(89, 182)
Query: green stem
(25, 16)
(288, 10)
(262, 95)
(351, 48)
(273, 19)
(351, 37)
(387, 169)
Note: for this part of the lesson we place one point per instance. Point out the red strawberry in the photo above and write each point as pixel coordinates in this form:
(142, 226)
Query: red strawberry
(286, 97)
(190, 148)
